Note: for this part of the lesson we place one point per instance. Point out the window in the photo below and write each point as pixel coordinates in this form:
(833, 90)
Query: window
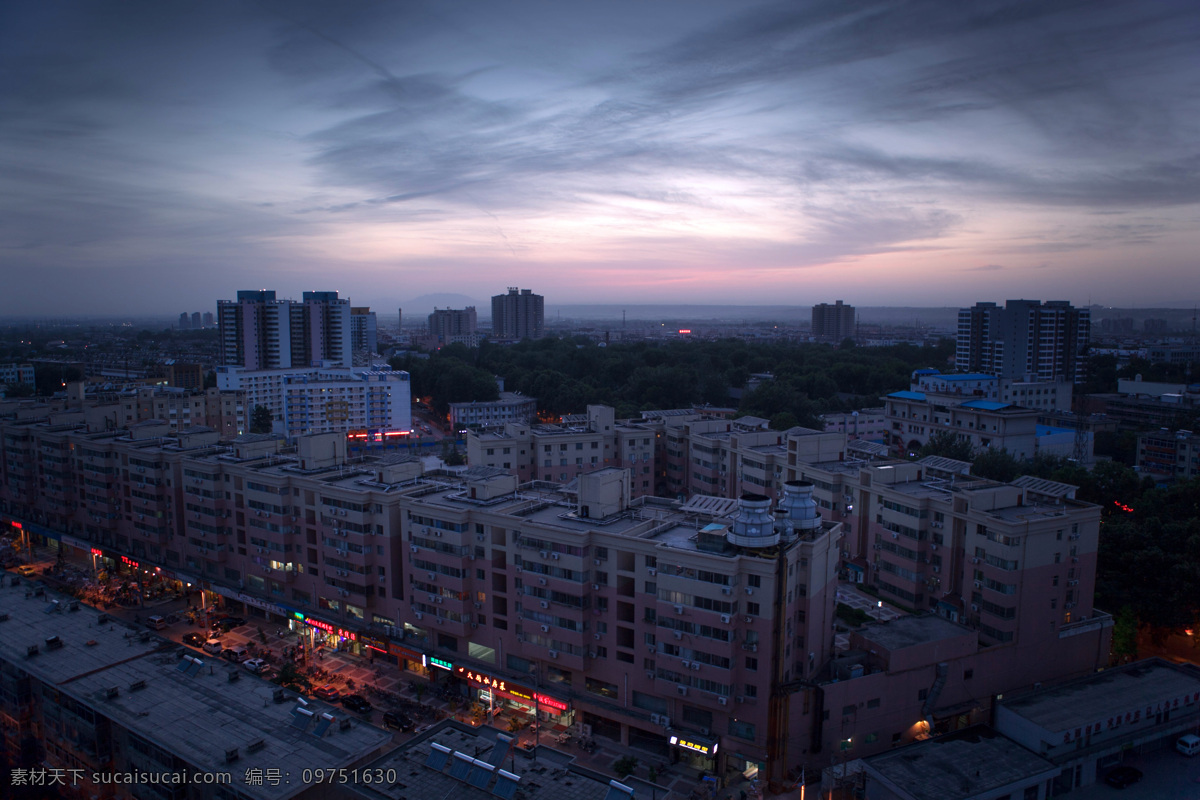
(873, 703)
(968, 674)
(754, 581)
(752, 663)
(752, 609)
(1054, 581)
(921, 695)
(626, 657)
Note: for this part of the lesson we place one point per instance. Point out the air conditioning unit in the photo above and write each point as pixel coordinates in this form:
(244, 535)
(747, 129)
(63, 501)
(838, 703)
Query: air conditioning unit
(438, 534)
(1072, 583)
(474, 624)
(749, 591)
(726, 590)
(479, 605)
(597, 637)
(974, 607)
(650, 674)
(554, 556)
(545, 604)
(681, 689)
(591, 653)
(678, 634)
(695, 665)
(652, 571)
(554, 654)
(723, 701)
(542, 581)
(936, 569)
(895, 535)
(431, 576)
(544, 553)
(545, 629)
(595, 587)
(479, 537)
(978, 584)
(974, 560)
(725, 618)
(749, 620)
(933, 547)
(413, 548)
(687, 665)
(739, 699)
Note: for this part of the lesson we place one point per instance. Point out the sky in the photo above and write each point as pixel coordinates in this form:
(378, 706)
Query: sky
(156, 157)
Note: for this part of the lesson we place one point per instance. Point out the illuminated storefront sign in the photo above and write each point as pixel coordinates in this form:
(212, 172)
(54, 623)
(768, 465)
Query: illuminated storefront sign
(373, 643)
(332, 630)
(97, 552)
(129, 562)
(440, 662)
(516, 691)
(409, 655)
(698, 747)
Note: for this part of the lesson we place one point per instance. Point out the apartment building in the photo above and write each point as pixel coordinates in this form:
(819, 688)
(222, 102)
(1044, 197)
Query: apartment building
(519, 314)
(511, 407)
(452, 326)
(833, 322)
(561, 453)
(260, 332)
(916, 416)
(83, 696)
(327, 398)
(364, 330)
(866, 424)
(1026, 339)
(1045, 396)
(702, 630)
(16, 375)
(1169, 455)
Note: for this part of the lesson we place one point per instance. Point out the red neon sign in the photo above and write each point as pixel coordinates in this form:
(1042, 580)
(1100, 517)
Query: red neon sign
(129, 562)
(332, 629)
(17, 525)
(550, 701)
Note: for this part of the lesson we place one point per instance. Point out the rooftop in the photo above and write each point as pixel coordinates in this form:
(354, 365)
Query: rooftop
(964, 764)
(1134, 686)
(910, 631)
(549, 777)
(132, 677)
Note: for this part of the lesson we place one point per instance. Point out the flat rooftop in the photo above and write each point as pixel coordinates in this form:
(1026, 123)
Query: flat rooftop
(549, 777)
(131, 676)
(1134, 686)
(965, 764)
(911, 631)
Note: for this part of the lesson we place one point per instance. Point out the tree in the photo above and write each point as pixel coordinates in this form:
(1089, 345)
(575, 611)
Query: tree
(996, 465)
(947, 445)
(1124, 637)
(260, 420)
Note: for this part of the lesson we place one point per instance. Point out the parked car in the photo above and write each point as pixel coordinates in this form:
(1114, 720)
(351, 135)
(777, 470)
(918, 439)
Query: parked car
(1120, 777)
(255, 665)
(356, 703)
(157, 623)
(194, 639)
(398, 721)
(27, 570)
(214, 646)
(237, 653)
(228, 623)
(327, 692)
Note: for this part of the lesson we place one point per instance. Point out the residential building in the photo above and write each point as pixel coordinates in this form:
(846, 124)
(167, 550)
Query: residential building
(195, 320)
(364, 330)
(185, 376)
(866, 424)
(208, 319)
(511, 407)
(326, 399)
(1026, 340)
(451, 326)
(702, 630)
(1169, 455)
(185, 321)
(520, 314)
(1046, 396)
(83, 695)
(833, 322)
(259, 331)
(16, 374)
(915, 417)
(1090, 724)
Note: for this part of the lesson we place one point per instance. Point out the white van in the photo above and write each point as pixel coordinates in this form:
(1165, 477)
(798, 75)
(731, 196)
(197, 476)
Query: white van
(1188, 745)
(214, 646)
(157, 623)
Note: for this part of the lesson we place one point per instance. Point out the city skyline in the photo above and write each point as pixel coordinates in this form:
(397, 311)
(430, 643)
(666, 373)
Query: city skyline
(923, 154)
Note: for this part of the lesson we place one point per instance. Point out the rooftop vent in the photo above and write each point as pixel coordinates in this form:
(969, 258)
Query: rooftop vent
(255, 746)
(53, 643)
(137, 686)
(3, 617)
(103, 618)
(233, 676)
(32, 650)
(112, 692)
(231, 755)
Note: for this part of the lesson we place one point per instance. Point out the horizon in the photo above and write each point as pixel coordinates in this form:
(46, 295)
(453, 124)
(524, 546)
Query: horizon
(923, 155)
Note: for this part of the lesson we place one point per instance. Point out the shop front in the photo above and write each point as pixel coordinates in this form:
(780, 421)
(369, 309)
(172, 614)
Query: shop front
(693, 750)
(332, 637)
(500, 694)
(409, 659)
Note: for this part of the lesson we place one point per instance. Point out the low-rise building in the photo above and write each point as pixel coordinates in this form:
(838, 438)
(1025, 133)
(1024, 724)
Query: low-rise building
(511, 407)
(1169, 455)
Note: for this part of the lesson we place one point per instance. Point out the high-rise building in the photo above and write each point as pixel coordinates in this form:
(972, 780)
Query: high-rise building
(450, 325)
(208, 319)
(520, 314)
(835, 322)
(1026, 339)
(364, 330)
(185, 322)
(259, 331)
(195, 320)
